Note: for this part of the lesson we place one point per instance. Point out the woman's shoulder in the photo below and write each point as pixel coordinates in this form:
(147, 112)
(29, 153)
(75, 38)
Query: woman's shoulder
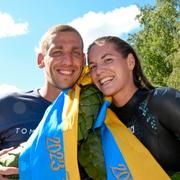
(164, 97)
(165, 92)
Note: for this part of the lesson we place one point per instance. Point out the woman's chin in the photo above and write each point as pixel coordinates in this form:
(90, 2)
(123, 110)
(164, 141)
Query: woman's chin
(107, 92)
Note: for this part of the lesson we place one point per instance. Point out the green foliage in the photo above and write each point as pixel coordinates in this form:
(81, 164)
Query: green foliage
(89, 154)
(176, 176)
(10, 159)
(174, 78)
(157, 42)
(90, 102)
(91, 157)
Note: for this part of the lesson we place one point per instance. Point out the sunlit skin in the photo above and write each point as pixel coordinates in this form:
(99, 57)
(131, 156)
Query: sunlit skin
(62, 63)
(111, 73)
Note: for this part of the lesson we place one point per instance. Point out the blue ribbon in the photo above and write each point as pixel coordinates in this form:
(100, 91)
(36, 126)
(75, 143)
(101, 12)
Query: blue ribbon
(116, 167)
(43, 157)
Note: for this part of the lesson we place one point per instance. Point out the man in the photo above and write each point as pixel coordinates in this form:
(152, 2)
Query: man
(61, 55)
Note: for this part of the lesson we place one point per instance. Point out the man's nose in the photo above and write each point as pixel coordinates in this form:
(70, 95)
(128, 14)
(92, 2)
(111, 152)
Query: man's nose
(68, 60)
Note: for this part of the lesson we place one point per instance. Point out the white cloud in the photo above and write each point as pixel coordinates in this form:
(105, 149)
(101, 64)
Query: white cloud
(8, 27)
(5, 88)
(116, 22)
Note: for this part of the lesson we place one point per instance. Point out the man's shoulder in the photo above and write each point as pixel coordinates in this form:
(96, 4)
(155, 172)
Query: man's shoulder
(30, 99)
(16, 95)
(29, 96)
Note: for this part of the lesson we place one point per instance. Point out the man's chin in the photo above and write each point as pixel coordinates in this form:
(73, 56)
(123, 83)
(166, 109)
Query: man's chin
(65, 86)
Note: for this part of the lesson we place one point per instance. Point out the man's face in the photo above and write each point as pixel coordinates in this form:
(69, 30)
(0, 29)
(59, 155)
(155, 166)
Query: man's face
(64, 60)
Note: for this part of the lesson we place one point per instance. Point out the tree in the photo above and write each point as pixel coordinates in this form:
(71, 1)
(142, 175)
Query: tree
(157, 43)
(174, 78)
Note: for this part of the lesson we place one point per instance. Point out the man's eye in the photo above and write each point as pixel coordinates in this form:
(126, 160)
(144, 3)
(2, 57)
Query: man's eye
(57, 53)
(76, 53)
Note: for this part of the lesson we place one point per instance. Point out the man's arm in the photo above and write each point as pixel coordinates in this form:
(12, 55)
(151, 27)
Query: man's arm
(7, 170)
(4, 151)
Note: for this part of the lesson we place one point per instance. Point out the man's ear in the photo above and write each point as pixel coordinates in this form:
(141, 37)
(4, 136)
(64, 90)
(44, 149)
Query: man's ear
(130, 61)
(40, 60)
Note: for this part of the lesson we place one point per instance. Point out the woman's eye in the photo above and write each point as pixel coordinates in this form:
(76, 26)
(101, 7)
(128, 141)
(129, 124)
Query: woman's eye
(109, 60)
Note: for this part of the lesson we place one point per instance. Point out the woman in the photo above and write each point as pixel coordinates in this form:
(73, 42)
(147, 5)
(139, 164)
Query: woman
(152, 114)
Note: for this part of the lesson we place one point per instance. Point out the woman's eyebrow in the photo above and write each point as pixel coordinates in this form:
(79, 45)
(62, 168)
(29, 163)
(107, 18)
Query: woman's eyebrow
(108, 54)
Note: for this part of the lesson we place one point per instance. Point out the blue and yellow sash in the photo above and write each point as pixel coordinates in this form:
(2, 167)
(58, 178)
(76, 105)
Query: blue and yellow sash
(124, 155)
(51, 152)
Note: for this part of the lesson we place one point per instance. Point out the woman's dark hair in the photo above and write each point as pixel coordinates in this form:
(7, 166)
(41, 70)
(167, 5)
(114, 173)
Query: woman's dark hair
(124, 49)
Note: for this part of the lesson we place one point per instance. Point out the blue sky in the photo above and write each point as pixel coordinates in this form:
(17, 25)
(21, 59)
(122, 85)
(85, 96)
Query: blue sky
(23, 22)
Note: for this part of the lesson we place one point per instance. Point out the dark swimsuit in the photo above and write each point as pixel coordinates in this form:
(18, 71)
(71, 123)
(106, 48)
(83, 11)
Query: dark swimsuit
(154, 118)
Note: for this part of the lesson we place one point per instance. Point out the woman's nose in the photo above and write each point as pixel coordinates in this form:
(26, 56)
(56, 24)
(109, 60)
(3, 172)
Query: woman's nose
(100, 69)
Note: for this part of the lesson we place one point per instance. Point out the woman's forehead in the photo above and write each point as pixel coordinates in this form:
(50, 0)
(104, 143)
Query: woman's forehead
(101, 49)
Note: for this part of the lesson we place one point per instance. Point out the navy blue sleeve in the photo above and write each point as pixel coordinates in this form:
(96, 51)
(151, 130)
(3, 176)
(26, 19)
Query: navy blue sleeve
(20, 113)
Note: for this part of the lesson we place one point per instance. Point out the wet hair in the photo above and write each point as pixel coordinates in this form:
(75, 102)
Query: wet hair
(45, 40)
(140, 80)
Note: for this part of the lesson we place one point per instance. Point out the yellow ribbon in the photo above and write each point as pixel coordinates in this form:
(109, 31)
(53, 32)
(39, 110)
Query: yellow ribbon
(141, 163)
(70, 125)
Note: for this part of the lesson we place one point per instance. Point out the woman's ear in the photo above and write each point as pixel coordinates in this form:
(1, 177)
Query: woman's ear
(131, 61)
(40, 60)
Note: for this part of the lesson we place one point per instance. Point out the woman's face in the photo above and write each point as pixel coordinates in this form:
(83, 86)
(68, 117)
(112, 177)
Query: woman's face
(110, 72)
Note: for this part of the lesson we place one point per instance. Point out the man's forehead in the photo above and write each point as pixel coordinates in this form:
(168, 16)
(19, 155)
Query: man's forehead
(65, 37)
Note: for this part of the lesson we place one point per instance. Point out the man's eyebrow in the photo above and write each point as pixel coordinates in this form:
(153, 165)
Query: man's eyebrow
(57, 47)
(76, 48)
(106, 55)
